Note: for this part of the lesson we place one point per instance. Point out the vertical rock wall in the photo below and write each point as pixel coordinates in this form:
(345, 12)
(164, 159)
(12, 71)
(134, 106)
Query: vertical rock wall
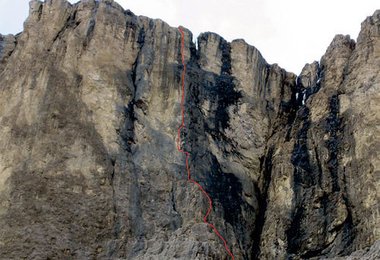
(89, 110)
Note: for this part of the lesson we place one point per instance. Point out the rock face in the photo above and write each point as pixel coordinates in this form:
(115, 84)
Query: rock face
(89, 110)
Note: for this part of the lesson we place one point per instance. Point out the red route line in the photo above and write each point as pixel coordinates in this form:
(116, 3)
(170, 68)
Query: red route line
(182, 126)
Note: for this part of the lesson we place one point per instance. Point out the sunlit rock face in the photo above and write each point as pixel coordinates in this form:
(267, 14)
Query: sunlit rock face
(89, 111)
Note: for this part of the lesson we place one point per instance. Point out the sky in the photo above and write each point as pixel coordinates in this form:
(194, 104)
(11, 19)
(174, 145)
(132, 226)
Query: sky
(288, 32)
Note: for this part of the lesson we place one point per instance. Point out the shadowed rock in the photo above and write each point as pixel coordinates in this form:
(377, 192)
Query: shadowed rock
(89, 110)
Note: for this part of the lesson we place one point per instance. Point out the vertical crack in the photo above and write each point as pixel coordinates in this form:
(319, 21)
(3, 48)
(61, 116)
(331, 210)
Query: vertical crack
(114, 202)
(266, 165)
(332, 128)
(70, 23)
(91, 27)
(40, 12)
(135, 215)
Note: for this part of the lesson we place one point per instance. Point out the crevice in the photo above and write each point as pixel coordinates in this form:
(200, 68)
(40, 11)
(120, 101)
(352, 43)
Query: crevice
(140, 42)
(300, 155)
(319, 165)
(70, 23)
(172, 197)
(140, 104)
(348, 229)
(332, 128)
(127, 132)
(128, 140)
(266, 164)
(302, 180)
(40, 8)
(114, 203)
(91, 27)
(266, 81)
(89, 33)
(14, 47)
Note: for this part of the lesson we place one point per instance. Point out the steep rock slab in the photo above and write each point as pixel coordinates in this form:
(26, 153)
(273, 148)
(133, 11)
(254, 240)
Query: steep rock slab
(89, 166)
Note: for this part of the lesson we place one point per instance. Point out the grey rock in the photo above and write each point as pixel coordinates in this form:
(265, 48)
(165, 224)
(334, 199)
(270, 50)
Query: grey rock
(89, 111)
(7, 46)
(370, 253)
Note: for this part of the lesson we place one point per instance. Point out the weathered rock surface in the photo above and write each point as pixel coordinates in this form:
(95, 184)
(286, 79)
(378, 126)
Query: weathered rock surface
(89, 110)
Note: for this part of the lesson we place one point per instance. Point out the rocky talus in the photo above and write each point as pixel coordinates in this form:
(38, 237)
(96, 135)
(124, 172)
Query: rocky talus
(89, 111)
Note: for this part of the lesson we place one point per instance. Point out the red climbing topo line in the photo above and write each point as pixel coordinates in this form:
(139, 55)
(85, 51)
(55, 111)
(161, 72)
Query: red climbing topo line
(179, 148)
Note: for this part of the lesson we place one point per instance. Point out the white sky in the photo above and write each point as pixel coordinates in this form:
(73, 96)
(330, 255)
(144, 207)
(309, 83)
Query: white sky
(288, 32)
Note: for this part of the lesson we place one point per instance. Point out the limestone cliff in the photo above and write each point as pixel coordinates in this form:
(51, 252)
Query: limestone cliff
(89, 110)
